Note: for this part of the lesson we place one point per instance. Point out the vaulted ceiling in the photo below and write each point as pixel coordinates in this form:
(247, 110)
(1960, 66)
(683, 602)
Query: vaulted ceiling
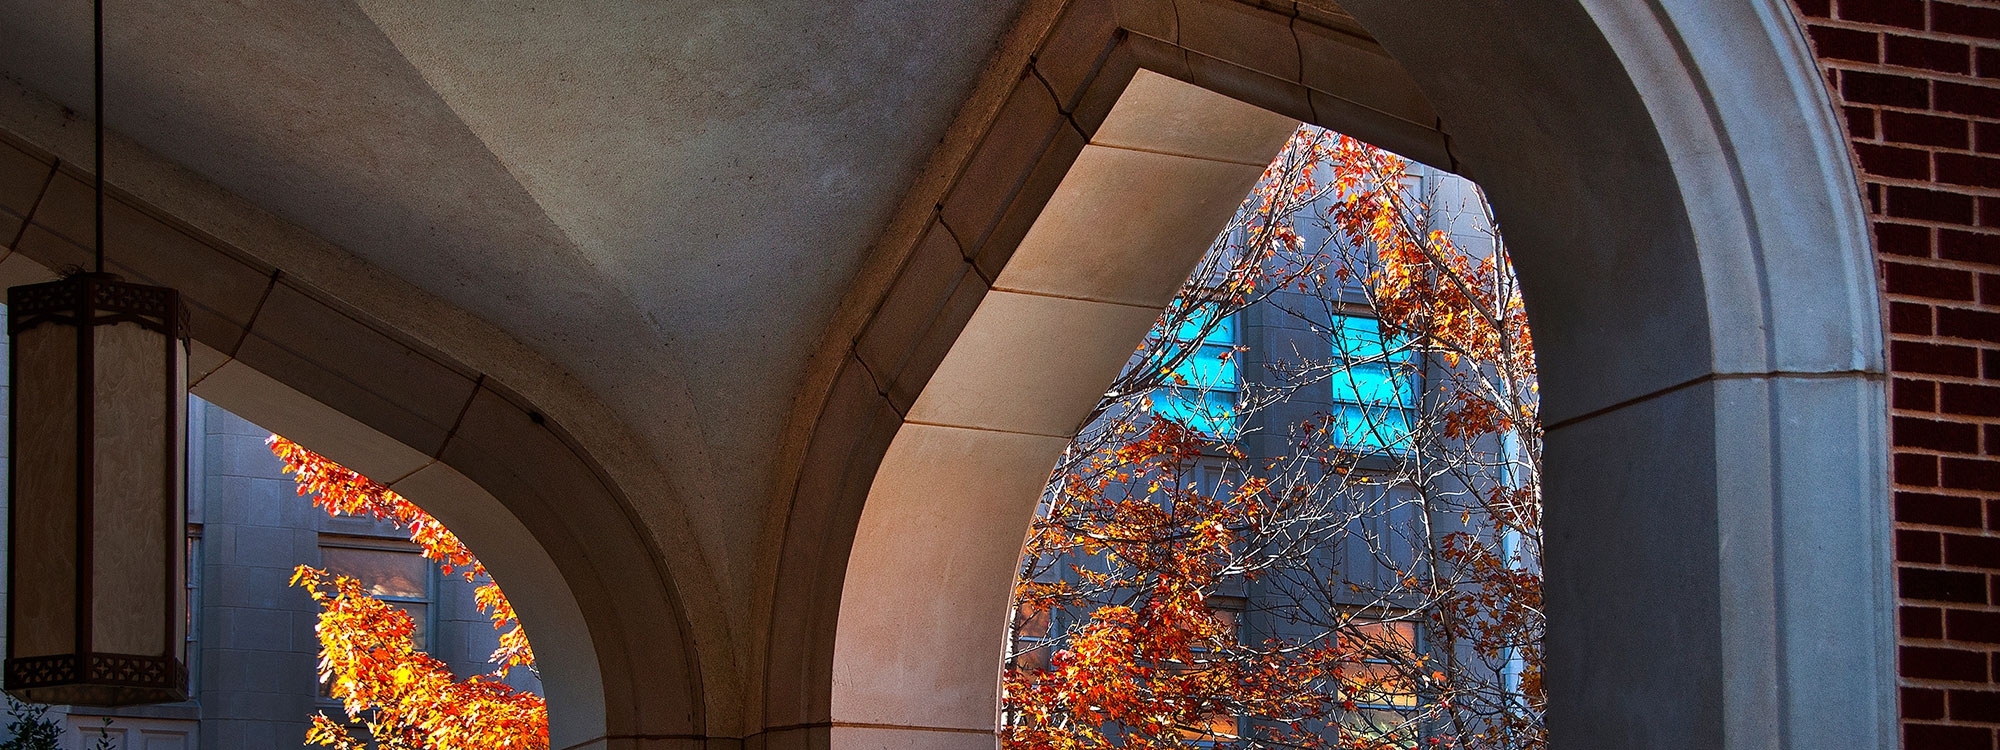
(665, 200)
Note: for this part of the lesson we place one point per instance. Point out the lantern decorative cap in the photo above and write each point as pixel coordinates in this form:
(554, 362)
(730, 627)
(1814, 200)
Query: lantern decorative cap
(97, 520)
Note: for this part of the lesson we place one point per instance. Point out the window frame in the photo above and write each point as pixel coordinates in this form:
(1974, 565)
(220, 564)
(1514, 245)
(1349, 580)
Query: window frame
(1190, 403)
(191, 593)
(429, 601)
(1417, 645)
(1417, 361)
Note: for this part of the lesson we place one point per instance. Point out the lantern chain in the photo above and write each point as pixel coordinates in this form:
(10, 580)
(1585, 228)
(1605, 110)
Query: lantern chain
(97, 93)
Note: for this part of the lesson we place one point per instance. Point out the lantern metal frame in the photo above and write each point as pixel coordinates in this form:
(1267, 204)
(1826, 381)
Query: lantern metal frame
(87, 676)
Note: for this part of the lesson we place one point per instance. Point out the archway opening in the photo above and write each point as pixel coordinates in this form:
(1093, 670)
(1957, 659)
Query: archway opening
(428, 644)
(1307, 511)
(398, 650)
(253, 657)
(1711, 368)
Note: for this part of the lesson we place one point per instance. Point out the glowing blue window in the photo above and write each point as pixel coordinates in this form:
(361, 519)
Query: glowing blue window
(1202, 390)
(1374, 392)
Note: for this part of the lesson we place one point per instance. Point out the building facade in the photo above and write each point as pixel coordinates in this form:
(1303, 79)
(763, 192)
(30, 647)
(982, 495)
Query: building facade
(1312, 349)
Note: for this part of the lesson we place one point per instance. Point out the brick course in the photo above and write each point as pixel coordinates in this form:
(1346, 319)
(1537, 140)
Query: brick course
(1918, 85)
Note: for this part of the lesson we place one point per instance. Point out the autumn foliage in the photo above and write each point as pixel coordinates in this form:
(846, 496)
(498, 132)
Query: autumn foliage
(1250, 572)
(1159, 666)
(398, 696)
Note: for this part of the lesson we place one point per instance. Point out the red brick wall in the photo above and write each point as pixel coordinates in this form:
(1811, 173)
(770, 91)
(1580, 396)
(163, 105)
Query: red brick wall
(1919, 81)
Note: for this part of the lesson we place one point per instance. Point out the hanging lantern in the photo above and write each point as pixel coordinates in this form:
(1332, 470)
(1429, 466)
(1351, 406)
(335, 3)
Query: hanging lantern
(97, 488)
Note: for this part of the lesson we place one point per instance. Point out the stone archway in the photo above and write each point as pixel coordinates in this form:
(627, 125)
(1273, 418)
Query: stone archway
(1690, 237)
(612, 642)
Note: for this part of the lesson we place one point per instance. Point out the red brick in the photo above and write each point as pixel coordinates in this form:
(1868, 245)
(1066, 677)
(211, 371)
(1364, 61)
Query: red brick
(1936, 359)
(1941, 737)
(1929, 281)
(1891, 161)
(1969, 551)
(1950, 437)
(1975, 247)
(1965, 19)
(1925, 130)
(1916, 622)
(1908, 14)
(1969, 399)
(1967, 99)
(1954, 151)
(1930, 663)
(1923, 703)
(1915, 470)
(1903, 239)
(1845, 44)
(1914, 395)
(1975, 705)
(1887, 90)
(1972, 626)
(1968, 324)
(1966, 169)
(1929, 584)
(1929, 205)
(1860, 122)
(1938, 510)
(1929, 54)
(1982, 474)
(1910, 318)
(1921, 622)
(1915, 546)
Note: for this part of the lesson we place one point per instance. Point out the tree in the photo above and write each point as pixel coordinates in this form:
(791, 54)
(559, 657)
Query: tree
(30, 728)
(401, 697)
(1392, 539)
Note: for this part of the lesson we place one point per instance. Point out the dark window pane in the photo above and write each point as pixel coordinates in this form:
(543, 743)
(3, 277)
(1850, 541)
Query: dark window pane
(381, 572)
(420, 617)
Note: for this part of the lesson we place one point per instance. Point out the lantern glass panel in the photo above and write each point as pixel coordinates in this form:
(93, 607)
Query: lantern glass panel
(44, 455)
(132, 503)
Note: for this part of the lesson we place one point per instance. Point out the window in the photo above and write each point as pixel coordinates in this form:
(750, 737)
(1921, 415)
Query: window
(1374, 391)
(1202, 388)
(400, 577)
(1219, 727)
(1033, 644)
(191, 599)
(1385, 698)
